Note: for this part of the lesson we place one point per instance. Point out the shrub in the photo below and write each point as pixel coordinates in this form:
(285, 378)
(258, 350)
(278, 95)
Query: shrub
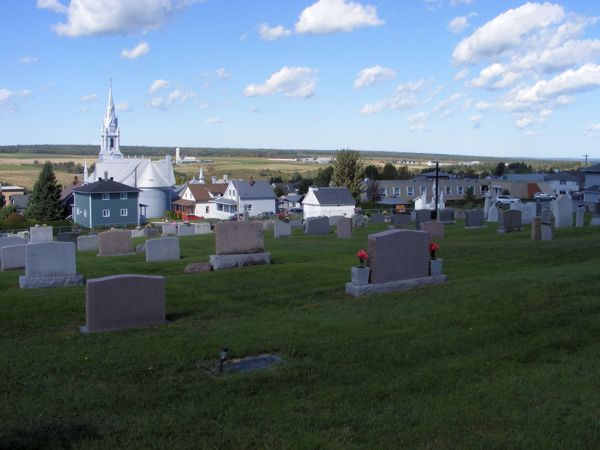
(15, 218)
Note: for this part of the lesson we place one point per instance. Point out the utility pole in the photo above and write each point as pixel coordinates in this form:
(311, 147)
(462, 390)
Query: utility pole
(437, 188)
(586, 157)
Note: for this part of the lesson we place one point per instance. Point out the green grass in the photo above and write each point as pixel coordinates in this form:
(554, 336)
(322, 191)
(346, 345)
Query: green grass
(503, 355)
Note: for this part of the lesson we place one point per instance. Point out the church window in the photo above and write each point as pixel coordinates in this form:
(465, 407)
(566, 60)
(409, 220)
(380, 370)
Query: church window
(123, 212)
(112, 142)
(105, 196)
(123, 195)
(106, 213)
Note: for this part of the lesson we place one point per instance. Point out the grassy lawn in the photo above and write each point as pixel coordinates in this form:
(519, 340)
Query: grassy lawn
(503, 355)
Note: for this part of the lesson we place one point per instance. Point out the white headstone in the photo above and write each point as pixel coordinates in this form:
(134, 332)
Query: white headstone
(169, 229)
(85, 243)
(13, 256)
(202, 228)
(40, 234)
(492, 214)
(562, 208)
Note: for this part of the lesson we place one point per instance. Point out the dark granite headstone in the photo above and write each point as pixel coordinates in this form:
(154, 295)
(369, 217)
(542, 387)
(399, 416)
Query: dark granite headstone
(317, 225)
(510, 220)
(422, 215)
(401, 220)
(446, 215)
(434, 228)
(70, 236)
(474, 218)
(377, 218)
(344, 228)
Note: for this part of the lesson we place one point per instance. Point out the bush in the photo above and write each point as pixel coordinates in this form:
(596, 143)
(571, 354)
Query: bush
(15, 218)
(7, 211)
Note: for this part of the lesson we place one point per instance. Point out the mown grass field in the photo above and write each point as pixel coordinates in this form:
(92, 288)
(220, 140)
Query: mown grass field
(505, 354)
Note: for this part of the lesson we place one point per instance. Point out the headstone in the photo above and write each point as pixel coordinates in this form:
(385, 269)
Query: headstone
(234, 238)
(547, 222)
(510, 220)
(162, 249)
(562, 208)
(185, 230)
(40, 234)
(580, 216)
(595, 208)
(492, 213)
(422, 215)
(333, 220)
(377, 218)
(50, 264)
(13, 256)
(138, 233)
(5, 241)
(296, 224)
(344, 228)
(115, 243)
(282, 229)
(474, 218)
(197, 267)
(202, 228)
(528, 212)
(398, 255)
(168, 229)
(401, 220)
(150, 232)
(434, 228)
(536, 229)
(317, 225)
(140, 248)
(124, 301)
(460, 214)
(85, 243)
(70, 236)
(359, 221)
(413, 215)
(446, 215)
(23, 235)
(268, 225)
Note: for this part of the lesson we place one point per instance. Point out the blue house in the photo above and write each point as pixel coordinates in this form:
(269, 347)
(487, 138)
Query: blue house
(106, 203)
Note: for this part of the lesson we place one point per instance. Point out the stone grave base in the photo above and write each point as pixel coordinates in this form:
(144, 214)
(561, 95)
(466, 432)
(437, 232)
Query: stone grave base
(393, 286)
(224, 262)
(26, 282)
(595, 221)
(508, 230)
(475, 228)
(116, 254)
(447, 222)
(249, 364)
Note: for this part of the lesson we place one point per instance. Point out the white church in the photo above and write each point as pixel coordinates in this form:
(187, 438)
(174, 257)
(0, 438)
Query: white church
(155, 179)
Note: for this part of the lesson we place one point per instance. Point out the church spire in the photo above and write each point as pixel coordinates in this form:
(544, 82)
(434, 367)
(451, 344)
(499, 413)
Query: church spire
(110, 133)
(201, 175)
(85, 170)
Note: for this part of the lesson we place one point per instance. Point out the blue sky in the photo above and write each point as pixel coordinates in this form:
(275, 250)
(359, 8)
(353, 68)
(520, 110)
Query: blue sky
(473, 77)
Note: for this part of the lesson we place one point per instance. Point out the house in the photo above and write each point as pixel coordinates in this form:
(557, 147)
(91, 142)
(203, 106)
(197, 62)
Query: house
(564, 183)
(452, 188)
(199, 200)
(67, 197)
(10, 192)
(290, 202)
(106, 203)
(591, 189)
(328, 201)
(255, 196)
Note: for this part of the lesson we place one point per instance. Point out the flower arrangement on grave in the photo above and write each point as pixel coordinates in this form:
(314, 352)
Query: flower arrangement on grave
(149, 225)
(433, 247)
(284, 216)
(363, 259)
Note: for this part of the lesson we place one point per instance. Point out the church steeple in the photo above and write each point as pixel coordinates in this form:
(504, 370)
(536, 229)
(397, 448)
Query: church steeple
(201, 175)
(110, 133)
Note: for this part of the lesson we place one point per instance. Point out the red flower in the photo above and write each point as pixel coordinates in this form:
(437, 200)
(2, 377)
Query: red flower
(433, 247)
(363, 257)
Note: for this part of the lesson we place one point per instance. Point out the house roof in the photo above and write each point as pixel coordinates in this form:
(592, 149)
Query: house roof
(20, 201)
(104, 186)
(206, 192)
(254, 189)
(594, 168)
(595, 188)
(523, 177)
(68, 190)
(562, 176)
(333, 196)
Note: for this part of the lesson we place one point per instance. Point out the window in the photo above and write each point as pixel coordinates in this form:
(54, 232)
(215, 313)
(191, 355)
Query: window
(383, 191)
(85, 213)
(123, 195)
(410, 191)
(78, 211)
(249, 207)
(563, 182)
(106, 213)
(207, 210)
(460, 190)
(448, 190)
(396, 191)
(219, 207)
(562, 192)
(421, 190)
(123, 212)
(105, 196)
(483, 189)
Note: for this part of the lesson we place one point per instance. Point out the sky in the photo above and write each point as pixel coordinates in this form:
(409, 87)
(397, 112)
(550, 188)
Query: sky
(468, 77)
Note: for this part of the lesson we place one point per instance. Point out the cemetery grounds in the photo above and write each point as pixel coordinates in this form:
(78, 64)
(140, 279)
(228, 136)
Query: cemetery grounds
(505, 354)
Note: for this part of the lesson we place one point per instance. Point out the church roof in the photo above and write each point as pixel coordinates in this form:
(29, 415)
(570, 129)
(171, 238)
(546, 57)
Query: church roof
(104, 186)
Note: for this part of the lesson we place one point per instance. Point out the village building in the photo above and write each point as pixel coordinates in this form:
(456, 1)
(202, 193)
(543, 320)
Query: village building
(328, 201)
(197, 200)
(255, 196)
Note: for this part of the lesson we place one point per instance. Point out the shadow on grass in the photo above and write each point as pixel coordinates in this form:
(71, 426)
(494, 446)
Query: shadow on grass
(48, 435)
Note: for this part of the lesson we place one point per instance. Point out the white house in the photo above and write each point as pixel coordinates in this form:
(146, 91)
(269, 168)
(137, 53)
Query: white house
(198, 199)
(328, 201)
(591, 191)
(255, 196)
(563, 183)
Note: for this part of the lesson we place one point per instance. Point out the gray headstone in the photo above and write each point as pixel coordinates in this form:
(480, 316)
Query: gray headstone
(40, 234)
(70, 236)
(185, 230)
(50, 264)
(317, 225)
(124, 301)
(562, 208)
(434, 228)
(296, 224)
(446, 215)
(137, 233)
(197, 267)
(282, 229)
(268, 225)
(333, 220)
(85, 243)
(474, 218)
(510, 220)
(422, 215)
(401, 220)
(150, 232)
(23, 235)
(162, 249)
(233, 238)
(115, 243)
(344, 228)
(202, 228)
(536, 229)
(5, 241)
(168, 229)
(547, 225)
(224, 262)
(13, 256)
(398, 255)
(492, 214)
(580, 216)
(377, 218)
(140, 248)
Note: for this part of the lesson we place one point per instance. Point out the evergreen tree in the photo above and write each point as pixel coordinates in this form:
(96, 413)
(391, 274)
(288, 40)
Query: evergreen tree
(500, 169)
(372, 172)
(389, 172)
(348, 171)
(44, 203)
(323, 178)
(373, 191)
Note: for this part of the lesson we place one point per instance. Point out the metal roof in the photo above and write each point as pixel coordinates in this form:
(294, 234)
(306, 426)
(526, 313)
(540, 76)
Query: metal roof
(254, 189)
(104, 186)
(333, 196)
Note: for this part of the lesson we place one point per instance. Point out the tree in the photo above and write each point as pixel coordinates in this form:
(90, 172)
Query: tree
(348, 171)
(373, 191)
(389, 172)
(500, 168)
(2, 200)
(44, 203)
(323, 178)
(372, 172)
(404, 173)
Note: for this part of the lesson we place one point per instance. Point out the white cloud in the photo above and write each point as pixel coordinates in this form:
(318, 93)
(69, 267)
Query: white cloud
(7, 98)
(52, 5)
(333, 16)
(506, 31)
(458, 24)
(476, 120)
(460, 2)
(293, 82)
(268, 33)
(28, 60)
(444, 107)
(371, 75)
(141, 49)
(222, 74)
(532, 133)
(418, 122)
(483, 106)
(104, 17)
(592, 130)
(180, 96)
(214, 120)
(89, 98)
(123, 107)
(157, 85)
(404, 97)
(157, 103)
(461, 75)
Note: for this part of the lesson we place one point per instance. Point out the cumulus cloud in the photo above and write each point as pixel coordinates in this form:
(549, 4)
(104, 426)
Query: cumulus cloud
(333, 16)
(371, 75)
(123, 107)
(222, 74)
(177, 96)
(8, 97)
(444, 107)
(158, 85)
(476, 120)
(458, 24)
(293, 82)
(268, 33)
(461, 75)
(104, 17)
(214, 120)
(89, 98)
(460, 2)
(28, 60)
(404, 97)
(592, 130)
(418, 122)
(141, 49)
